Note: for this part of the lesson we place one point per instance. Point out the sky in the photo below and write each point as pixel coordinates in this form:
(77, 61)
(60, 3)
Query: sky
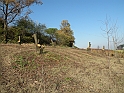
(86, 17)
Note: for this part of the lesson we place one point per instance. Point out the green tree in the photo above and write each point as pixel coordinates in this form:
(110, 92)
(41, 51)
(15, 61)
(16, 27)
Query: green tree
(26, 29)
(13, 33)
(29, 27)
(51, 32)
(65, 34)
(11, 9)
(65, 27)
(26, 25)
(40, 31)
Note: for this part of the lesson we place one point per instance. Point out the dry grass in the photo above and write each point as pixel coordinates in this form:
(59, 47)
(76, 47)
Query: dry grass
(59, 70)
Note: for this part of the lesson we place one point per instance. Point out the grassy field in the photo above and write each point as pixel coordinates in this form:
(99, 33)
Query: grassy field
(59, 70)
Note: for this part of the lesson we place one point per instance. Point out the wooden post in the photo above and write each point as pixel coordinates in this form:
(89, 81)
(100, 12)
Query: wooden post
(39, 48)
(36, 42)
(35, 38)
(103, 48)
(19, 41)
(53, 43)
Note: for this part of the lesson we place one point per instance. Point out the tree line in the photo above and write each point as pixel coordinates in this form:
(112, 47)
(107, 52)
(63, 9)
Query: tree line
(13, 24)
(25, 28)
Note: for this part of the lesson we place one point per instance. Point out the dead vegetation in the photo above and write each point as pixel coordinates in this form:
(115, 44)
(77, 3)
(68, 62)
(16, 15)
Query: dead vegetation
(59, 70)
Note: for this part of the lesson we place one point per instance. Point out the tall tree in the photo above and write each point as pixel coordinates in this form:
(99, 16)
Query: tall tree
(29, 27)
(108, 31)
(23, 28)
(26, 25)
(65, 34)
(11, 9)
(65, 27)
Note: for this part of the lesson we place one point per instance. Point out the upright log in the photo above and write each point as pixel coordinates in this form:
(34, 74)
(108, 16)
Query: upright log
(103, 48)
(53, 42)
(19, 41)
(39, 48)
(36, 42)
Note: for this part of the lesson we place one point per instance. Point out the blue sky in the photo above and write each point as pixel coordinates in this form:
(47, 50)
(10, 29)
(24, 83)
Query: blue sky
(84, 16)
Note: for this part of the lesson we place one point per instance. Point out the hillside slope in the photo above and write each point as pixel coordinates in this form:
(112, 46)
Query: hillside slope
(58, 70)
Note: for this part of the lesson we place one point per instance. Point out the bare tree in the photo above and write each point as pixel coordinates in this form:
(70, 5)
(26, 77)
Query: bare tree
(108, 31)
(13, 8)
(112, 33)
(116, 36)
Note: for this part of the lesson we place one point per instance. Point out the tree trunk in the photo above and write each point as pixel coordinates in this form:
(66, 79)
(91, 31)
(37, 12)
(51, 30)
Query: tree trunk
(6, 24)
(5, 32)
(108, 45)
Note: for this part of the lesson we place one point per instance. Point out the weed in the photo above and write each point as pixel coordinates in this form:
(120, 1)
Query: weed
(68, 79)
(51, 57)
(21, 62)
(32, 65)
